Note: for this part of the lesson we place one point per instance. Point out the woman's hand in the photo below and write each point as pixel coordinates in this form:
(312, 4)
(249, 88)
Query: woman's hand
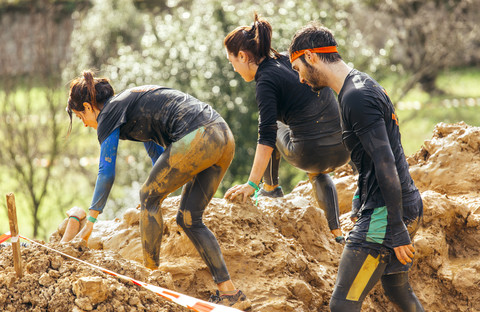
(77, 212)
(242, 190)
(85, 232)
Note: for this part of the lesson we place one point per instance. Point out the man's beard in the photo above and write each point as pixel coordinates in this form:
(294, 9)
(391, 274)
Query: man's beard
(315, 78)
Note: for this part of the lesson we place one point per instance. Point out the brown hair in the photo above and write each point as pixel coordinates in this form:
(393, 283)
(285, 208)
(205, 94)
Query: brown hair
(86, 88)
(255, 40)
(314, 35)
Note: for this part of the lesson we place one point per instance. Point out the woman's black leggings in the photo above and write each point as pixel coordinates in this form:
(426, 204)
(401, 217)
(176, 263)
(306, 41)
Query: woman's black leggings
(198, 161)
(317, 157)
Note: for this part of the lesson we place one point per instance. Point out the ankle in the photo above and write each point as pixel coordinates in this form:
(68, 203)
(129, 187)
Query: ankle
(228, 292)
(268, 187)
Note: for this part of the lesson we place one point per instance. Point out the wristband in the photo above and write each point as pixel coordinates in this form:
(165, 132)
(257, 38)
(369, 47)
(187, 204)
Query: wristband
(72, 217)
(257, 189)
(253, 185)
(91, 219)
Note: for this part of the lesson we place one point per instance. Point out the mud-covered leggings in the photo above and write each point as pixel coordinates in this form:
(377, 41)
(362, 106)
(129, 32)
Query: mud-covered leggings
(198, 161)
(316, 157)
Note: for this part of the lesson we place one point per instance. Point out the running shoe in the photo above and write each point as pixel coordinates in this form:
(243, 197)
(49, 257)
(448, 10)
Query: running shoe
(277, 192)
(237, 301)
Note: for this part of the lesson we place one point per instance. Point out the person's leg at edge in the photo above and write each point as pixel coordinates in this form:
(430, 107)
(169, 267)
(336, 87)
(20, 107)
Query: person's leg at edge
(400, 293)
(326, 195)
(358, 272)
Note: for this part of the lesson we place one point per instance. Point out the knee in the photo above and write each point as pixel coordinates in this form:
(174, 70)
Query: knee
(184, 219)
(149, 200)
(393, 281)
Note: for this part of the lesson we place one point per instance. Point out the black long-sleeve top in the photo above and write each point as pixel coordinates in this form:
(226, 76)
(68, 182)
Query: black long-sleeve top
(371, 134)
(281, 96)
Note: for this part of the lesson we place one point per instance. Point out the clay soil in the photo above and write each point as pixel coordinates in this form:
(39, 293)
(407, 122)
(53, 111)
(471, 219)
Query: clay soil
(280, 253)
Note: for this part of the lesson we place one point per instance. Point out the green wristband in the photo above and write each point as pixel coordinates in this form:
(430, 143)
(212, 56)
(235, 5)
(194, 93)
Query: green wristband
(91, 219)
(253, 185)
(257, 189)
(72, 217)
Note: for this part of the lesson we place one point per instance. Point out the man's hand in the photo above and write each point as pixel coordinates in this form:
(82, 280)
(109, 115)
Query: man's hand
(404, 253)
(243, 190)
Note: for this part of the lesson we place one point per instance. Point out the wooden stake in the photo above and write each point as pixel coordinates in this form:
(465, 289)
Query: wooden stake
(12, 219)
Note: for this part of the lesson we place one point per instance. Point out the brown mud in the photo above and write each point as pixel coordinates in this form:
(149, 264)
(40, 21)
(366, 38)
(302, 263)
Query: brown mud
(280, 253)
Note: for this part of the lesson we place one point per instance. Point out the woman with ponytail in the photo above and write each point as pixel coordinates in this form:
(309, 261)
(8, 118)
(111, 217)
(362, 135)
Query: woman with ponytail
(294, 122)
(189, 144)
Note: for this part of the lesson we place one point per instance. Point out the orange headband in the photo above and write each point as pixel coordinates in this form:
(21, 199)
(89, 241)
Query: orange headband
(297, 54)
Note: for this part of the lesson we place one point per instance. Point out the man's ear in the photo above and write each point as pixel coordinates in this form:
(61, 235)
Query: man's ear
(310, 58)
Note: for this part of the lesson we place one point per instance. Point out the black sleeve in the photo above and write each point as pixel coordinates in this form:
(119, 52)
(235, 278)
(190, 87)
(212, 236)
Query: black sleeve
(356, 204)
(377, 145)
(267, 99)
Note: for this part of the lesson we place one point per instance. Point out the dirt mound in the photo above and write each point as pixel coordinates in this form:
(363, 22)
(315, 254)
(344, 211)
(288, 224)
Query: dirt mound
(279, 253)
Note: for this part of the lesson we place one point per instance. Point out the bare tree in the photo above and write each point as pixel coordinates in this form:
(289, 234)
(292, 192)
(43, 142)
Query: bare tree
(425, 37)
(31, 100)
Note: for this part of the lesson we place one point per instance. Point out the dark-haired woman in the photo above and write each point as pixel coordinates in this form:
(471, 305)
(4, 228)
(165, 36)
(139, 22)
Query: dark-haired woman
(189, 143)
(303, 126)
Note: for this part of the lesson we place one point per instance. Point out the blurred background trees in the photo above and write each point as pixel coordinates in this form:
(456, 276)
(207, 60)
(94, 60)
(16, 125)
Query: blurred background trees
(179, 44)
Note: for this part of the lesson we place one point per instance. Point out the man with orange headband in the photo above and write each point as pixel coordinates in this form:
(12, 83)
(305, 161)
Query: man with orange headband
(389, 207)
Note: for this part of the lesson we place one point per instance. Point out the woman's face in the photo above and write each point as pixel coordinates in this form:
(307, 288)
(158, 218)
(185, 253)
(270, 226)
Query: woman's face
(242, 65)
(88, 115)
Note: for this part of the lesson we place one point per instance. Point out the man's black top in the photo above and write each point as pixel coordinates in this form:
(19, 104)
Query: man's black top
(371, 134)
(153, 113)
(281, 96)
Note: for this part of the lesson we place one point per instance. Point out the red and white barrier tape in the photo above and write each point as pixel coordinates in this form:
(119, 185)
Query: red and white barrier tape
(4, 237)
(176, 297)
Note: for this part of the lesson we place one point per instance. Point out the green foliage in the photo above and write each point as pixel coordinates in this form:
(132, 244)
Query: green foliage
(182, 47)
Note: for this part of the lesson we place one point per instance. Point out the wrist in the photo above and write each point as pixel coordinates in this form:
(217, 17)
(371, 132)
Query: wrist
(91, 219)
(254, 185)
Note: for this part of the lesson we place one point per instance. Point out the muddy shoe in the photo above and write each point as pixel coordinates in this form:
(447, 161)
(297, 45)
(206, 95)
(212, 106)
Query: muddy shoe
(237, 301)
(277, 192)
(340, 240)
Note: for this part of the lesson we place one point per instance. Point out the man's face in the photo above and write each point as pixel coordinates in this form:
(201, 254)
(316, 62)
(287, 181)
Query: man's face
(309, 75)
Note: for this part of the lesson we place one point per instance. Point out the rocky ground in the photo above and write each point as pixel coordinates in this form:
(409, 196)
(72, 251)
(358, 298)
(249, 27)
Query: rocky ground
(280, 253)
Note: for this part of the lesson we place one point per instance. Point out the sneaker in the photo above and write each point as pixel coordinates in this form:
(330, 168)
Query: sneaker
(237, 301)
(340, 240)
(277, 192)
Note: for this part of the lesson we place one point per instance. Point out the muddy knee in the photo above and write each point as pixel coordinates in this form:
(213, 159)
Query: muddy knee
(184, 219)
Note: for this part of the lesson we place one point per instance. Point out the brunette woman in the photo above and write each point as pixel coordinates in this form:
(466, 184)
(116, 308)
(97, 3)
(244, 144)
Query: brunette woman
(296, 123)
(190, 145)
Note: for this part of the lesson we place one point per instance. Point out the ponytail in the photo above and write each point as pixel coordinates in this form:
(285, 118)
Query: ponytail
(87, 88)
(255, 40)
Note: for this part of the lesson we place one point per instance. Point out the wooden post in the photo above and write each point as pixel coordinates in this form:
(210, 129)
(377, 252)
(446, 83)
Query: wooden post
(12, 219)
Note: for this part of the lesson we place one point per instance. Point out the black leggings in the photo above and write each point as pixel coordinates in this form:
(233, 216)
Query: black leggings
(198, 161)
(359, 271)
(316, 157)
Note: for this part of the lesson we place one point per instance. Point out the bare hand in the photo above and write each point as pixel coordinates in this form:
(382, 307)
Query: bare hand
(77, 212)
(243, 190)
(404, 253)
